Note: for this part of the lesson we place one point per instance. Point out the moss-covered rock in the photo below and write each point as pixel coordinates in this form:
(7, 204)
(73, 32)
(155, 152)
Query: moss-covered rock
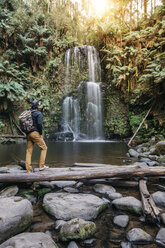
(77, 229)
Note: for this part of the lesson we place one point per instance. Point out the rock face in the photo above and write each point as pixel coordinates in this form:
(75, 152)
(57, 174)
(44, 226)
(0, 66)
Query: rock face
(138, 236)
(159, 198)
(29, 240)
(160, 147)
(121, 220)
(160, 237)
(104, 189)
(77, 229)
(15, 216)
(65, 206)
(128, 203)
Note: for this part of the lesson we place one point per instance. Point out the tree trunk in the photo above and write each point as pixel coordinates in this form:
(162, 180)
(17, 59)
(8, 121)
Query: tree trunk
(81, 173)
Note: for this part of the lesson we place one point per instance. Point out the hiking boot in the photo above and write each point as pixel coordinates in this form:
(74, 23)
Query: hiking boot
(43, 168)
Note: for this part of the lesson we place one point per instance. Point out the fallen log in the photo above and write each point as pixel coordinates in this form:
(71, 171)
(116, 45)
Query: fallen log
(150, 210)
(13, 136)
(71, 173)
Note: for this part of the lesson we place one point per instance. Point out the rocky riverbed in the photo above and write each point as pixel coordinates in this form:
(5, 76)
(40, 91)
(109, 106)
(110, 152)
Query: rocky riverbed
(70, 214)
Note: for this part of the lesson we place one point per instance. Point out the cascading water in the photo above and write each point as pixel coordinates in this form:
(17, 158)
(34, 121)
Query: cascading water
(82, 114)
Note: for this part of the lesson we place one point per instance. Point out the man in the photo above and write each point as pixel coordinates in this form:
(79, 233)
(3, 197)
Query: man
(35, 137)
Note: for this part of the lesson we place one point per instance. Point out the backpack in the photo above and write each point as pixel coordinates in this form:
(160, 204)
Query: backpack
(26, 121)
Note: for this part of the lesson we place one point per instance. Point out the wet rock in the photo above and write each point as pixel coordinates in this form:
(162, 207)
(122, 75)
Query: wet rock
(88, 242)
(71, 190)
(9, 191)
(162, 216)
(65, 206)
(16, 215)
(126, 245)
(72, 244)
(138, 236)
(140, 164)
(129, 203)
(121, 220)
(29, 240)
(146, 160)
(58, 184)
(3, 169)
(114, 196)
(105, 200)
(133, 153)
(153, 163)
(160, 147)
(59, 224)
(159, 198)
(160, 237)
(77, 229)
(104, 189)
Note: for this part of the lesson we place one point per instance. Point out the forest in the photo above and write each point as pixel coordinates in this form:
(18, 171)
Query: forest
(130, 38)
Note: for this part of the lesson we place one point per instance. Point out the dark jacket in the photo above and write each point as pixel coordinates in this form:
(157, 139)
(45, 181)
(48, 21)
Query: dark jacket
(37, 121)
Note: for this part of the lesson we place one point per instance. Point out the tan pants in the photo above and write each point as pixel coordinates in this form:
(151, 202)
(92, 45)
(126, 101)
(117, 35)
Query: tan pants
(35, 138)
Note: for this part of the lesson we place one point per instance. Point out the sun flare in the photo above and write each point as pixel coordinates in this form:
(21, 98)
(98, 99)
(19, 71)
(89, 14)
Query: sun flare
(99, 6)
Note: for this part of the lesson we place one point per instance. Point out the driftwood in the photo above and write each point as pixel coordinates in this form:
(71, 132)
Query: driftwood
(13, 136)
(71, 173)
(150, 210)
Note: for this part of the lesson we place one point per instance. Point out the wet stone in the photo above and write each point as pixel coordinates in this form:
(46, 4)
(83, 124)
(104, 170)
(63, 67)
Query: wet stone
(138, 236)
(88, 242)
(104, 189)
(159, 198)
(160, 237)
(121, 220)
(72, 244)
(129, 203)
(29, 240)
(133, 153)
(146, 160)
(114, 196)
(77, 229)
(126, 245)
(9, 191)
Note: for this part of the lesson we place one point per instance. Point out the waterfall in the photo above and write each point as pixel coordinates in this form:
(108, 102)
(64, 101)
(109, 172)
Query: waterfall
(82, 113)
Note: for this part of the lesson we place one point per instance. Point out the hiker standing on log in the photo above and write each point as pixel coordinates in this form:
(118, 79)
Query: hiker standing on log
(35, 137)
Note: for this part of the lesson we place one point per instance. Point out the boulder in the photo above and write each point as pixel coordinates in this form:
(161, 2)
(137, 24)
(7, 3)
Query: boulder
(114, 196)
(133, 153)
(16, 215)
(29, 240)
(77, 229)
(9, 191)
(121, 220)
(139, 236)
(160, 147)
(159, 198)
(66, 206)
(129, 203)
(160, 237)
(104, 189)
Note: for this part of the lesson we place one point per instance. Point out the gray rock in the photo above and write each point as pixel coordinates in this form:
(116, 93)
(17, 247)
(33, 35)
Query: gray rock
(16, 215)
(160, 237)
(162, 216)
(71, 190)
(77, 229)
(126, 245)
(114, 196)
(59, 224)
(138, 236)
(140, 164)
(159, 198)
(129, 203)
(104, 189)
(105, 200)
(88, 242)
(59, 184)
(3, 169)
(65, 206)
(29, 240)
(121, 220)
(160, 147)
(153, 163)
(72, 244)
(9, 191)
(79, 184)
(146, 160)
(133, 153)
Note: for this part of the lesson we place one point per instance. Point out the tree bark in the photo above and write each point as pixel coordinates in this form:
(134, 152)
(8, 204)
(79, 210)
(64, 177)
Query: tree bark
(70, 173)
(150, 210)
